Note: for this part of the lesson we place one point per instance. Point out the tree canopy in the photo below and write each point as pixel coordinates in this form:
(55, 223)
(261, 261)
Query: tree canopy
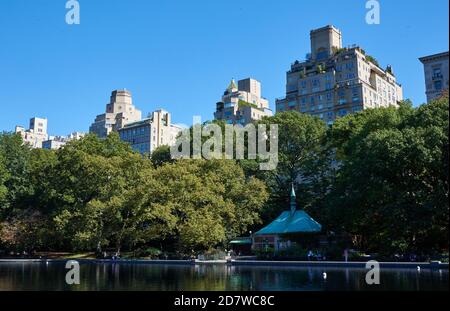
(379, 175)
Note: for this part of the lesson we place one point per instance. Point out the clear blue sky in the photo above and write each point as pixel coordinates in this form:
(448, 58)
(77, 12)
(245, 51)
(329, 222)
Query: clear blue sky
(180, 55)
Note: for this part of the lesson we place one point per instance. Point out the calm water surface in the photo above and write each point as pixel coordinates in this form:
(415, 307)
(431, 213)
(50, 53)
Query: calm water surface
(126, 276)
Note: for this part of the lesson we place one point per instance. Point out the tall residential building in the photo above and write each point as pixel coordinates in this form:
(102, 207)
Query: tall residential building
(36, 134)
(56, 142)
(148, 134)
(119, 111)
(436, 74)
(242, 103)
(334, 81)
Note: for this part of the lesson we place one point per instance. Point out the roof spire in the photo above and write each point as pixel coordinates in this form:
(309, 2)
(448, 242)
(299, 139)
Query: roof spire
(293, 200)
(232, 85)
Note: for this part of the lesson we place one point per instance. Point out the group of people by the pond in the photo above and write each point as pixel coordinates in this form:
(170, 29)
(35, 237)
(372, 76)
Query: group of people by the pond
(315, 256)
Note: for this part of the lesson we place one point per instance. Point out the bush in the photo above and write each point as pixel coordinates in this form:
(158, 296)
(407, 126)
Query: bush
(265, 254)
(149, 252)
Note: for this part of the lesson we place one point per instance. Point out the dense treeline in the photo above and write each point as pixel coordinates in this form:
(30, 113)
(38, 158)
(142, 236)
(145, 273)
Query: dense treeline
(380, 176)
(94, 194)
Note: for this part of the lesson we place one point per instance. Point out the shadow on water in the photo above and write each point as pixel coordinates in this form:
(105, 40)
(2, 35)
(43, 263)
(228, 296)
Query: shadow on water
(129, 276)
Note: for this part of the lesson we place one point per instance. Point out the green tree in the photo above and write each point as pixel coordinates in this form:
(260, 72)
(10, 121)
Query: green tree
(16, 159)
(3, 178)
(95, 184)
(391, 189)
(210, 201)
(301, 160)
(160, 156)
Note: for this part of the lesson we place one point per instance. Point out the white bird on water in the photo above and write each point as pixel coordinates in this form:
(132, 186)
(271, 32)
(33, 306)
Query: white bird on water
(324, 275)
(418, 268)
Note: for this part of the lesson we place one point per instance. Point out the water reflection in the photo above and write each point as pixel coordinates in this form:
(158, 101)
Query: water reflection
(126, 276)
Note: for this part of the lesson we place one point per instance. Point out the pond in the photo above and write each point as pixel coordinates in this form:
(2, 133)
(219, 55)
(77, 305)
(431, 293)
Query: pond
(160, 277)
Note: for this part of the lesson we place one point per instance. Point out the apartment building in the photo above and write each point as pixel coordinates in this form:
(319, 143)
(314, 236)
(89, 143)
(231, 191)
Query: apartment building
(148, 134)
(436, 74)
(57, 142)
(119, 111)
(334, 80)
(36, 134)
(242, 103)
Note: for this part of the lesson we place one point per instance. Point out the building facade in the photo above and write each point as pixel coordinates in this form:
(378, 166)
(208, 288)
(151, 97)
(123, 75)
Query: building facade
(436, 74)
(36, 134)
(119, 111)
(335, 81)
(57, 142)
(242, 103)
(148, 134)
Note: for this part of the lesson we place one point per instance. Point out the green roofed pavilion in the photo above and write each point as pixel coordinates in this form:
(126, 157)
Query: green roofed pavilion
(289, 222)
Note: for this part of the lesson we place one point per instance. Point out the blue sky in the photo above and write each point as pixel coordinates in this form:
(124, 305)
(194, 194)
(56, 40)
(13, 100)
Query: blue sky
(180, 55)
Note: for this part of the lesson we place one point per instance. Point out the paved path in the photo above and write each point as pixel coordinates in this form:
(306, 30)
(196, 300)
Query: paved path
(312, 264)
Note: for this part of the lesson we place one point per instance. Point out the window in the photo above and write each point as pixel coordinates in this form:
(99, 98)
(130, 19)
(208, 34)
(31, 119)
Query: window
(292, 103)
(342, 112)
(280, 106)
(437, 72)
(291, 88)
(322, 55)
(438, 85)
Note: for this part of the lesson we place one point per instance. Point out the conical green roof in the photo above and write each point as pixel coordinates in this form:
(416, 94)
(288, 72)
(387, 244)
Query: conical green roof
(292, 221)
(232, 85)
(288, 222)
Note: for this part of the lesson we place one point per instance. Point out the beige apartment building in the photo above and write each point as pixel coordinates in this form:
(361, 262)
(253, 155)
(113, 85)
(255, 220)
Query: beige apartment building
(36, 134)
(436, 74)
(57, 142)
(148, 134)
(242, 103)
(334, 80)
(119, 111)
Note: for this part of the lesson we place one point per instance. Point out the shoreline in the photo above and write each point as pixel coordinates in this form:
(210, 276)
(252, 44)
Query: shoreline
(257, 263)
